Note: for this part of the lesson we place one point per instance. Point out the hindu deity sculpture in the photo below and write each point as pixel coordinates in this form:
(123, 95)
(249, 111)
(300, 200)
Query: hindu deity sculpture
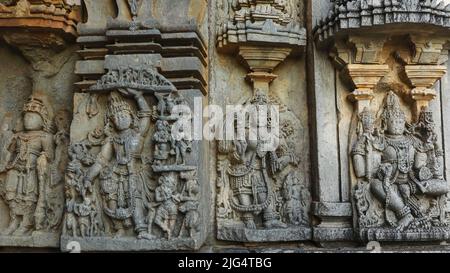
(31, 153)
(190, 202)
(402, 164)
(119, 164)
(166, 212)
(251, 173)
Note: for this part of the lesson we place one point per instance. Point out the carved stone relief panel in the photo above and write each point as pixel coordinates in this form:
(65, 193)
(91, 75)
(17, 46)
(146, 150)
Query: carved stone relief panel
(262, 196)
(36, 116)
(132, 177)
(393, 71)
(401, 190)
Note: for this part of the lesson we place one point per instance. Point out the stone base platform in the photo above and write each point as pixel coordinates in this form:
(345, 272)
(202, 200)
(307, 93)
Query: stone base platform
(36, 239)
(242, 234)
(92, 244)
(417, 235)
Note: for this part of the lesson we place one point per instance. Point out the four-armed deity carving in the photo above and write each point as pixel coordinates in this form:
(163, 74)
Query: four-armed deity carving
(399, 167)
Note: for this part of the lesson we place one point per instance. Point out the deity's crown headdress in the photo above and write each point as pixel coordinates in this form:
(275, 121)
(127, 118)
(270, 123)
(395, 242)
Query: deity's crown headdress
(36, 105)
(366, 117)
(259, 97)
(392, 108)
(426, 115)
(117, 104)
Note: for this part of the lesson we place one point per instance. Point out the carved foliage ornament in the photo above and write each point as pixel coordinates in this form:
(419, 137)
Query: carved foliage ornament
(145, 79)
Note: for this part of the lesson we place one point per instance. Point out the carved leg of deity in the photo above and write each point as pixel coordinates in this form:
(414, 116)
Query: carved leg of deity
(118, 224)
(396, 204)
(139, 221)
(26, 224)
(435, 187)
(84, 231)
(39, 218)
(162, 220)
(192, 232)
(150, 219)
(73, 226)
(13, 224)
(171, 225)
(269, 215)
(247, 217)
(177, 156)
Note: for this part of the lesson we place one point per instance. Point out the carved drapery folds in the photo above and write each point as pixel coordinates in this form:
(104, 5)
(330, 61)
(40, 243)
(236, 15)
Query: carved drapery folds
(397, 179)
(261, 195)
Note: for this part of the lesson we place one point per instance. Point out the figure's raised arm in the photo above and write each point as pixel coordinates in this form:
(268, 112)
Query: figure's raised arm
(144, 111)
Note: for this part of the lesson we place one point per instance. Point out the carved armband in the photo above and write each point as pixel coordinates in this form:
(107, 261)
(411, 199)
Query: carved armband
(359, 148)
(144, 114)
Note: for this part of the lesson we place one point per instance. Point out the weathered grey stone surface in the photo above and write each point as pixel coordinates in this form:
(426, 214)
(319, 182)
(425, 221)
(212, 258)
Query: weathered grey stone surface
(86, 151)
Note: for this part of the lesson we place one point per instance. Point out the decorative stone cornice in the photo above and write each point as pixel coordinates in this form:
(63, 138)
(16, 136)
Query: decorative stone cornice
(263, 32)
(361, 14)
(54, 15)
(262, 21)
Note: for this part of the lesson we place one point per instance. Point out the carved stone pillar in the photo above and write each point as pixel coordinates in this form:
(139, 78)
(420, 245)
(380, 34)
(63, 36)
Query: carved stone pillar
(364, 77)
(261, 62)
(423, 78)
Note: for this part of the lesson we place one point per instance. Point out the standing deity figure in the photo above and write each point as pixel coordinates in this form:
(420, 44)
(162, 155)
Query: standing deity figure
(165, 195)
(296, 205)
(190, 199)
(31, 153)
(119, 164)
(398, 167)
(249, 175)
(162, 138)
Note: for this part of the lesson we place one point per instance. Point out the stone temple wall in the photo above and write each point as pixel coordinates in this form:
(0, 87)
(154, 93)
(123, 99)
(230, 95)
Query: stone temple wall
(94, 97)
